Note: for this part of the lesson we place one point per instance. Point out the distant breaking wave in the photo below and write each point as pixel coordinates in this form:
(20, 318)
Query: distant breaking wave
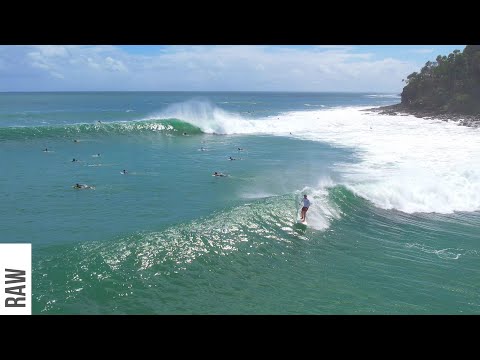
(107, 128)
(205, 115)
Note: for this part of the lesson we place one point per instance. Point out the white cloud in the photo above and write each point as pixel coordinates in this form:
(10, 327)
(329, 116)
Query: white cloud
(336, 47)
(114, 65)
(52, 50)
(39, 65)
(57, 75)
(421, 51)
(93, 64)
(319, 68)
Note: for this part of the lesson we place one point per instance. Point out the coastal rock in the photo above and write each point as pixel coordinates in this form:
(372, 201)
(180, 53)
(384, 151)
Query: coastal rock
(460, 119)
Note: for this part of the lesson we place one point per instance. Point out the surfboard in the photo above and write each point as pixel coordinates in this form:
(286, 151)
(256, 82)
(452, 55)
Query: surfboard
(300, 226)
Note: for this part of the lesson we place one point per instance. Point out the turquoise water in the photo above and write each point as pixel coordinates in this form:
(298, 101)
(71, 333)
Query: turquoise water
(393, 226)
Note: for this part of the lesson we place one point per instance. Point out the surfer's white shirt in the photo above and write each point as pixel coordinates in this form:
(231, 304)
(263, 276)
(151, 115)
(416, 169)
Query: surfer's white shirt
(306, 203)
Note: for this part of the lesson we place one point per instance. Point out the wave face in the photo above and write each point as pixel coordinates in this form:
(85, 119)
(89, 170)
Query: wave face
(404, 163)
(251, 258)
(152, 259)
(107, 128)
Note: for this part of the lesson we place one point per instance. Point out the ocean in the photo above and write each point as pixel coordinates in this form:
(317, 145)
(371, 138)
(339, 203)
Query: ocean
(393, 227)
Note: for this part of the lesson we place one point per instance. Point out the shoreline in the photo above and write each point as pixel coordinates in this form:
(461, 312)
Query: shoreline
(399, 109)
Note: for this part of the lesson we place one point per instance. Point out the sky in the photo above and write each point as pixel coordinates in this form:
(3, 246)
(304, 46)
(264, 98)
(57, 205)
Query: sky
(356, 68)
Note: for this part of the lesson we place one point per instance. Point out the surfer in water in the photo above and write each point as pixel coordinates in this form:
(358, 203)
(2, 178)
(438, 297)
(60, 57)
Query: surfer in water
(230, 158)
(218, 174)
(306, 205)
(83, 186)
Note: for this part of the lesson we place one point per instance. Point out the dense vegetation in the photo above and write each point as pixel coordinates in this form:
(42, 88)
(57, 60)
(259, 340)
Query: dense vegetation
(451, 84)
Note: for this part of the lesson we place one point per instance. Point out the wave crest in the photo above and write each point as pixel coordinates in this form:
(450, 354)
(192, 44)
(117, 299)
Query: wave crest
(108, 128)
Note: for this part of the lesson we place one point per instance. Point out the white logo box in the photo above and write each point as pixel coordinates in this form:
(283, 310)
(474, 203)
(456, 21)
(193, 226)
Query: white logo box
(15, 279)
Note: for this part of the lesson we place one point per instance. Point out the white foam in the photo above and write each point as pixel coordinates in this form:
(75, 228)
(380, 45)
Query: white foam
(447, 254)
(405, 163)
(257, 195)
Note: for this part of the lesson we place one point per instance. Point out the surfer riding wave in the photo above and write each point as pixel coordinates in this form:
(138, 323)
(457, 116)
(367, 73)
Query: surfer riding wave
(306, 205)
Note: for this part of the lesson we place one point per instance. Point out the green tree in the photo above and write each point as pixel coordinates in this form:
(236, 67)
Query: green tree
(451, 83)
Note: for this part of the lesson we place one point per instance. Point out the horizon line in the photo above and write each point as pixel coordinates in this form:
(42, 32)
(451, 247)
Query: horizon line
(198, 91)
